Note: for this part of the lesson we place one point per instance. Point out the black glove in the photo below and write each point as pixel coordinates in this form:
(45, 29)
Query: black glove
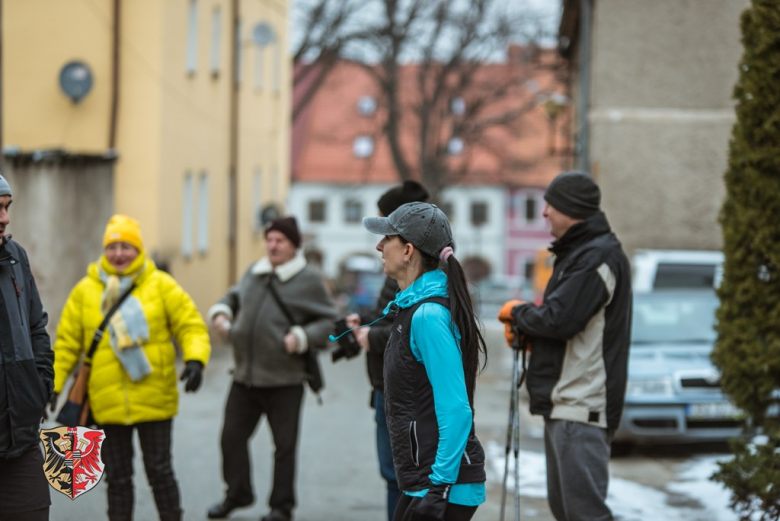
(433, 505)
(193, 374)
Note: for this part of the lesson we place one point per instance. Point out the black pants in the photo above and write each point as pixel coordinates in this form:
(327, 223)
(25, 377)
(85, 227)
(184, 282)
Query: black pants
(454, 512)
(24, 490)
(243, 411)
(155, 438)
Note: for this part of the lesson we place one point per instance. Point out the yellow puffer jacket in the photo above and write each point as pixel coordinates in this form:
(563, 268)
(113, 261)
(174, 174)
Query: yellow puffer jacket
(170, 313)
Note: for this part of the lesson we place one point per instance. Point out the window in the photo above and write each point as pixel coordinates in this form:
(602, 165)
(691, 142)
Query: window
(186, 222)
(239, 54)
(458, 106)
(530, 209)
(317, 211)
(353, 211)
(192, 39)
(277, 65)
(366, 105)
(257, 199)
(528, 270)
(455, 146)
(259, 67)
(479, 213)
(203, 214)
(216, 40)
(448, 209)
(363, 146)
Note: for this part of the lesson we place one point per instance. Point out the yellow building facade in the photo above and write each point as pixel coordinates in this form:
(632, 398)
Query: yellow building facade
(193, 98)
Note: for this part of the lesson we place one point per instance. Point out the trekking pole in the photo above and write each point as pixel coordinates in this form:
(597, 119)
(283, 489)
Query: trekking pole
(512, 429)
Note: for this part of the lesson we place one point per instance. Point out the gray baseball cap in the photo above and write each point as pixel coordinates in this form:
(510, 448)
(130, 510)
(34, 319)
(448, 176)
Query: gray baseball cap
(422, 224)
(5, 188)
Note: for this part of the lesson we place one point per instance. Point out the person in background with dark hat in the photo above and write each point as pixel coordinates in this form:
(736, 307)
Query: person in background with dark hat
(580, 336)
(133, 381)
(373, 340)
(269, 373)
(26, 380)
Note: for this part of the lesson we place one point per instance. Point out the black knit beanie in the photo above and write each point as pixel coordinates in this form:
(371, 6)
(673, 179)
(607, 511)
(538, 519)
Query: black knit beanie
(288, 227)
(575, 194)
(409, 192)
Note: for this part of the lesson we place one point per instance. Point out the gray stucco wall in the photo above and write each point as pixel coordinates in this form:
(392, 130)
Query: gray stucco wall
(58, 215)
(661, 115)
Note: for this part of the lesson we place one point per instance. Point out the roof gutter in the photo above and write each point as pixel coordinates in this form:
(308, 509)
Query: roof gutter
(583, 136)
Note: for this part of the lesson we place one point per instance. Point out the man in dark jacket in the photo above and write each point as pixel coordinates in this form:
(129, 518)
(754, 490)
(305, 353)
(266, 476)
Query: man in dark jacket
(26, 380)
(374, 339)
(268, 348)
(580, 336)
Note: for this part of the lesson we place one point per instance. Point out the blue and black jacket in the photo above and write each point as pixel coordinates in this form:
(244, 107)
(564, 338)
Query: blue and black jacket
(429, 415)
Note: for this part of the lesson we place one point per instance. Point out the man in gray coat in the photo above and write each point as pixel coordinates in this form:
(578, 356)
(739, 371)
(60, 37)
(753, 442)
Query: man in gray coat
(270, 366)
(26, 380)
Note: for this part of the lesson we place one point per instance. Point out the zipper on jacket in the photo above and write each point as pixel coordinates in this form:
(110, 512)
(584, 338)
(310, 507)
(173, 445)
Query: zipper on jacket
(18, 295)
(414, 443)
(466, 455)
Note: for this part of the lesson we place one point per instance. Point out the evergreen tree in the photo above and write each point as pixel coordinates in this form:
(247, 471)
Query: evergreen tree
(748, 348)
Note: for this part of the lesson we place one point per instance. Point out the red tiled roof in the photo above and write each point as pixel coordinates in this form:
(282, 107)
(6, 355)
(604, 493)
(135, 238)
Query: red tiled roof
(324, 133)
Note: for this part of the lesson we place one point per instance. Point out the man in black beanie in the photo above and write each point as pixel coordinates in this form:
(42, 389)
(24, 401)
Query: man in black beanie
(580, 336)
(374, 339)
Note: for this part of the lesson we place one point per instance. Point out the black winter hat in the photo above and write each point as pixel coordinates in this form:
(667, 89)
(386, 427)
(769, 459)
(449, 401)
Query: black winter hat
(288, 226)
(575, 194)
(409, 192)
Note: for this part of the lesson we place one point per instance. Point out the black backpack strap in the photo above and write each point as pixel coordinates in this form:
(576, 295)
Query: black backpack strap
(99, 331)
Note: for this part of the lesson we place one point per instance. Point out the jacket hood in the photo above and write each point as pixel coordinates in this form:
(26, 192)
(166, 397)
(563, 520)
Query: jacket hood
(429, 284)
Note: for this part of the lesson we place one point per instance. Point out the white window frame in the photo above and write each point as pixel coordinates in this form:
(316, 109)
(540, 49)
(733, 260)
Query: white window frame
(520, 204)
(203, 213)
(259, 67)
(191, 59)
(187, 218)
(277, 80)
(216, 40)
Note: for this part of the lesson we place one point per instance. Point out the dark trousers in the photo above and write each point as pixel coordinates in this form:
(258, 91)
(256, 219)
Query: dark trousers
(24, 489)
(155, 438)
(403, 511)
(243, 411)
(577, 470)
(385, 453)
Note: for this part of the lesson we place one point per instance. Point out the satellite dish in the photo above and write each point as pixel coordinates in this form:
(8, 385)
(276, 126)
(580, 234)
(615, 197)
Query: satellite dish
(262, 34)
(76, 80)
(269, 213)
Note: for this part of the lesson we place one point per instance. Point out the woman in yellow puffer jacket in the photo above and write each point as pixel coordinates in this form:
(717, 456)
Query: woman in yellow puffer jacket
(133, 381)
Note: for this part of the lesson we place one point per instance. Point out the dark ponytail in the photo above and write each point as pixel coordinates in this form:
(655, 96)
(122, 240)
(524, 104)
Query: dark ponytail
(472, 343)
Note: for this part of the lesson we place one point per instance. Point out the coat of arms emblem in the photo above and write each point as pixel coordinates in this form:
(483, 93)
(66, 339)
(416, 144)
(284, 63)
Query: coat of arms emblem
(72, 464)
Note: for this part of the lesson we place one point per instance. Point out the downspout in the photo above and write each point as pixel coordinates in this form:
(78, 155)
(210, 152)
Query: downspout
(584, 106)
(233, 149)
(114, 77)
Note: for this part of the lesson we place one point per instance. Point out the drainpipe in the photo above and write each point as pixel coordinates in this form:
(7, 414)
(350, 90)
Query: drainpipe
(584, 106)
(114, 76)
(233, 148)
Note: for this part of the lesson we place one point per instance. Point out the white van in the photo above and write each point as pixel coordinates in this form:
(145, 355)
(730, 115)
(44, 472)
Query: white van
(676, 269)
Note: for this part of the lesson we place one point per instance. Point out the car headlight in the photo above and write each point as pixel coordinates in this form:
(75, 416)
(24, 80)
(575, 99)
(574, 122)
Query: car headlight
(649, 386)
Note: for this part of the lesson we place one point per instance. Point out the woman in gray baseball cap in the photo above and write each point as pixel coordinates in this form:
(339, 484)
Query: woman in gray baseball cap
(431, 365)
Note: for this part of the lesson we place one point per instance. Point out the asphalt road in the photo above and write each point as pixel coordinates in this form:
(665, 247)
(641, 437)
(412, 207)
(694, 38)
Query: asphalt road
(338, 477)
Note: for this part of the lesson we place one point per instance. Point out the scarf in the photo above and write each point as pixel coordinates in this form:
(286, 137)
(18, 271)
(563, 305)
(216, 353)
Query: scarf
(128, 328)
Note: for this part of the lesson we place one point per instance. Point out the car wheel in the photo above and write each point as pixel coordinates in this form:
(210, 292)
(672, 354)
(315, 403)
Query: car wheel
(621, 449)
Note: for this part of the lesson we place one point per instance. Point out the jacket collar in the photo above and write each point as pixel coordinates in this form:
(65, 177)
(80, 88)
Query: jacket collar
(284, 272)
(580, 233)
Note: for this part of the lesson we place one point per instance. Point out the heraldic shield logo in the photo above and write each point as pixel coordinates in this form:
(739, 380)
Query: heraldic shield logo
(72, 464)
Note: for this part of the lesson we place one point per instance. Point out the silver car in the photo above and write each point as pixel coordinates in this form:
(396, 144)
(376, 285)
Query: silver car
(673, 393)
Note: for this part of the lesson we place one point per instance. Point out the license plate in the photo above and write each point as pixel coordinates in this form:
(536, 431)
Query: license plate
(713, 410)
